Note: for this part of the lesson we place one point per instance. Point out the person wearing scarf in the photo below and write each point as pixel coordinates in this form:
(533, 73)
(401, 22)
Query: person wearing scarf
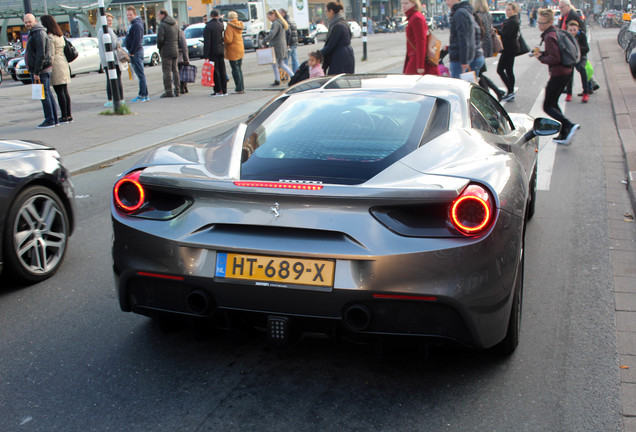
(337, 51)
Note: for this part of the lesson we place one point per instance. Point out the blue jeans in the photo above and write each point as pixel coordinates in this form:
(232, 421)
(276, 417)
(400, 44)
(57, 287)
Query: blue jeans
(48, 103)
(137, 63)
(294, 58)
(237, 74)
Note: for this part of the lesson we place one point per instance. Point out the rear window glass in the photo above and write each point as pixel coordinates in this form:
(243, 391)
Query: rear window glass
(336, 137)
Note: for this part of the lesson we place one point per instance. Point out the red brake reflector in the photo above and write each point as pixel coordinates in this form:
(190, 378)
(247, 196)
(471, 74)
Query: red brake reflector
(404, 297)
(160, 276)
(279, 185)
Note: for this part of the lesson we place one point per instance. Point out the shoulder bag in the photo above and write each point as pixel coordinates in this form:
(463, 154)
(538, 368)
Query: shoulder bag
(70, 52)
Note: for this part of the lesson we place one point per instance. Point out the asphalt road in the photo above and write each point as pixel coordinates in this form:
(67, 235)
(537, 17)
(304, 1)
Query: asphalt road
(71, 360)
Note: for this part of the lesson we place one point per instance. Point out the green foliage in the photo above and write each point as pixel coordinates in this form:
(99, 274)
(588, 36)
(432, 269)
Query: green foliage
(122, 110)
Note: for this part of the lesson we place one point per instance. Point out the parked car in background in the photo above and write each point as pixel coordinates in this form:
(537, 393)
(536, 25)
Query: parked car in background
(498, 17)
(356, 30)
(406, 219)
(384, 27)
(36, 210)
(151, 52)
(11, 66)
(319, 33)
(557, 17)
(86, 61)
(194, 37)
(88, 58)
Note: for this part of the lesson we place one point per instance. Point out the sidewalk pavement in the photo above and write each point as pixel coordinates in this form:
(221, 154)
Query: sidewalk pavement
(620, 167)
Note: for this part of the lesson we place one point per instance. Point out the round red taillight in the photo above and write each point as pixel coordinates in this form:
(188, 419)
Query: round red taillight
(128, 193)
(472, 212)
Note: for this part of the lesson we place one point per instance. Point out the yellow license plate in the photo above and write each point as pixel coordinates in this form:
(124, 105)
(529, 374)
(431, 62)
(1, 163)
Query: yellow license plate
(278, 270)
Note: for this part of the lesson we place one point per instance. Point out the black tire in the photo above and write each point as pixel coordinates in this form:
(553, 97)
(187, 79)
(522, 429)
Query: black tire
(36, 234)
(154, 59)
(25, 82)
(14, 76)
(101, 69)
(509, 343)
(533, 194)
(624, 35)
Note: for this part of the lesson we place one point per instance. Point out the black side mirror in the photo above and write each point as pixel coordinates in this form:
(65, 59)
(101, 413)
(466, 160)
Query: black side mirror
(545, 126)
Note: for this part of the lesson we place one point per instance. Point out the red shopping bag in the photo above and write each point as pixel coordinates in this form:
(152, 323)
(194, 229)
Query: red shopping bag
(207, 74)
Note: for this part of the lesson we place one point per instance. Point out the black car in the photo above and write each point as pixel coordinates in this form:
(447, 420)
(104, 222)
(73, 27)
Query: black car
(36, 210)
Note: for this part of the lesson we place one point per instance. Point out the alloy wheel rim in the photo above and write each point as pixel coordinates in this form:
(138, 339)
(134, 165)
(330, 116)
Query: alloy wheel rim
(39, 234)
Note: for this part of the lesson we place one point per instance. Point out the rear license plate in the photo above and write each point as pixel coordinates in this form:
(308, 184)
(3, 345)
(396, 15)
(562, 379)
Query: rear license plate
(275, 271)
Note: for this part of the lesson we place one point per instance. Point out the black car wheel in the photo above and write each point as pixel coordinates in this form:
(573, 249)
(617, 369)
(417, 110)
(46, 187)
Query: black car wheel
(154, 60)
(36, 233)
(14, 76)
(25, 82)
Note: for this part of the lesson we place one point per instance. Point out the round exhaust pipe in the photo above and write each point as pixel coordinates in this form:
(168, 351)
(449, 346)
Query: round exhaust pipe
(199, 302)
(358, 317)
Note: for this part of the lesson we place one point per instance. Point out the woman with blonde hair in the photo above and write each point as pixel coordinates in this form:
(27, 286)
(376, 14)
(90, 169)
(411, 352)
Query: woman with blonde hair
(416, 40)
(277, 38)
(510, 39)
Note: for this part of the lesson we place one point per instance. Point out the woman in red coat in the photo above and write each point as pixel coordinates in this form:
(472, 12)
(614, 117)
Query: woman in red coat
(416, 40)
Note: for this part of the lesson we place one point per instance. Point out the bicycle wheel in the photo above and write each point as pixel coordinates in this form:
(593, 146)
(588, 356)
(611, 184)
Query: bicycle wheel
(624, 36)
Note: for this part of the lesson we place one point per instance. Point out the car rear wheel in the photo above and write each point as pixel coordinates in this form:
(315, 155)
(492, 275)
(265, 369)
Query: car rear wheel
(36, 233)
(154, 59)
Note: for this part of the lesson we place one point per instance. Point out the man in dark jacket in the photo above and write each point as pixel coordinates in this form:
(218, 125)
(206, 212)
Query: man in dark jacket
(39, 61)
(167, 42)
(213, 50)
(461, 46)
(568, 14)
(134, 45)
(559, 75)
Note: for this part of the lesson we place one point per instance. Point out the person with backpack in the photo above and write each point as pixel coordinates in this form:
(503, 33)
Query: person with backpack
(581, 38)
(39, 60)
(559, 75)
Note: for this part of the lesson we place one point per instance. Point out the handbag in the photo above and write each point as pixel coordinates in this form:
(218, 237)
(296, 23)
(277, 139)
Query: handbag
(122, 55)
(187, 73)
(265, 56)
(497, 45)
(207, 74)
(37, 91)
(70, 52)
(523, 46)
(434, 48)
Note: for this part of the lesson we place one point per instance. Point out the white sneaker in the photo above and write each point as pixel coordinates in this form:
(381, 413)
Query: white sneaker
(568, 139)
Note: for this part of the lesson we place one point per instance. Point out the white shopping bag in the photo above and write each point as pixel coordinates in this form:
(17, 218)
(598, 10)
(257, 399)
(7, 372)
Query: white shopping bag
(265, 56)
(469, 76)
(37, 91)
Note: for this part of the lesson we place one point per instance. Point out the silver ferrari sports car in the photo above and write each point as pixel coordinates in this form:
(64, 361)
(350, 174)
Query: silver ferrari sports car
(357, 205)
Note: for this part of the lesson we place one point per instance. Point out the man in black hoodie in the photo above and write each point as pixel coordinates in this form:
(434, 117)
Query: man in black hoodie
(167, 42)
(134, 45)
(39, 61)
